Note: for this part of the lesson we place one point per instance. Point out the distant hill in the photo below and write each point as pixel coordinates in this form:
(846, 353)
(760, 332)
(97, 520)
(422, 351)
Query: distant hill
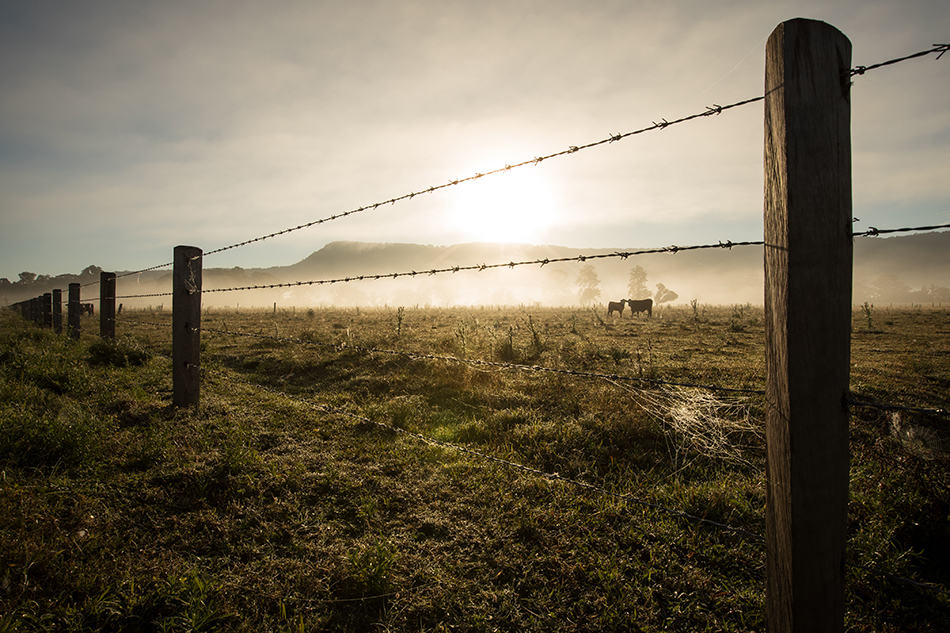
(902, 269)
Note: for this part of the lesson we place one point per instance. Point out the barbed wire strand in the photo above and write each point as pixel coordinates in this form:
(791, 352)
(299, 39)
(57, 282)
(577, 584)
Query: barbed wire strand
(874, 231)
(552, 476)
(715, 109)
(663, 123)
(454, 269)
(481, 267)
(855, 401)
(939, 49)
(133, 272)
(729, 244)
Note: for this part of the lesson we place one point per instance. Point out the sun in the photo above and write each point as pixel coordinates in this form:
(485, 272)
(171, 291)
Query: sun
(510, 206)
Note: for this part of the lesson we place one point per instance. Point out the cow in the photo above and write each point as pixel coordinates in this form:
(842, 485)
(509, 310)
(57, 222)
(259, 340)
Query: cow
(613, 306)
(86, 308)
(640, 305)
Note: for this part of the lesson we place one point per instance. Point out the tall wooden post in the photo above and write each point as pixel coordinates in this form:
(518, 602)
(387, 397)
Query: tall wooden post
(807, 312)
(72, 310)
(46, 307)
(107, 305)
(35, 310)
(58, 311)
(186, 326)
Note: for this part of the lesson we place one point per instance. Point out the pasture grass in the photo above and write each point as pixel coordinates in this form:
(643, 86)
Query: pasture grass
(258, 512)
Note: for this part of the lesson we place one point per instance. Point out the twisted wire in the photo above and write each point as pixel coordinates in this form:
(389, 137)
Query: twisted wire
(883, 406)
(133, 272)
(870, 232)
(481, 267)
(589, 487)
(663, 123)
(715, 109)
(873, 231)
(939, 49)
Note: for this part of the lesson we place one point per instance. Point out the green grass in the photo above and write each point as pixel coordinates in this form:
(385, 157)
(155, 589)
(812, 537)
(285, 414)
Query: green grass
(257, 512)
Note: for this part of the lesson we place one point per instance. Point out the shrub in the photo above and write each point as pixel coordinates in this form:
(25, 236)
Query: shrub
(118, 353)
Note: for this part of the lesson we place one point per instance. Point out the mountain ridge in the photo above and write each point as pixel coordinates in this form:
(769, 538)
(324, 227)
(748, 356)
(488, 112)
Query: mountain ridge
(886, 269)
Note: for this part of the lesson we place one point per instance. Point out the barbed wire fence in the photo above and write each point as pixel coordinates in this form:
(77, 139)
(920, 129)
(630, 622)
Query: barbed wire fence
(41, 309)
(661, 124)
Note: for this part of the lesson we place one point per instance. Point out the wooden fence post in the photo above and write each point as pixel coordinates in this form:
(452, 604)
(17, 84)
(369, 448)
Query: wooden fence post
(46, 307)
(35, 310)
(186, 326)
(107, 305)
(58, 311)
(808, 318)
(72, 310)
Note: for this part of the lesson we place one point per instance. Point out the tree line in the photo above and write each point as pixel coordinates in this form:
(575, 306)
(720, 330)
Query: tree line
(588, 287)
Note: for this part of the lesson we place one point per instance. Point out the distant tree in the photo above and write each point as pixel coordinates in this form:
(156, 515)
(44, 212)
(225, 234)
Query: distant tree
(91, 271)
(27, 277)
(935, 294)
(588, 284)
(637, 286)
(43, 277)
(4, 282)
(664, 294)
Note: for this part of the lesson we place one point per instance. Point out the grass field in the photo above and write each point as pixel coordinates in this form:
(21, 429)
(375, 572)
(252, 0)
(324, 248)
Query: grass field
(260, 512)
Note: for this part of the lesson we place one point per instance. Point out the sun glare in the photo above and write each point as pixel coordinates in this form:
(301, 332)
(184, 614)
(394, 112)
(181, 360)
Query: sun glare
(514, 206)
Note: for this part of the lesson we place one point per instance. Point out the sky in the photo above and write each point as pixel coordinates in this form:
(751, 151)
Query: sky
(128, 128)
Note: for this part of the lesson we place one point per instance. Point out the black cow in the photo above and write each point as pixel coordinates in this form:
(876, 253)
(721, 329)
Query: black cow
(640, 305)
(615, 306)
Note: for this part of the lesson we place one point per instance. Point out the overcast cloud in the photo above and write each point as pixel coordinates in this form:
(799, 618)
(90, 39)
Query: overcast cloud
(128, 128)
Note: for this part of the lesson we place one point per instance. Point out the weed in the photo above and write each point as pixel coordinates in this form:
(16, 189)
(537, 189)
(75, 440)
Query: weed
(736, 320)
(370, 568)
(120, 513)
(868, 310)
(507, 351)
(460, 337)
(536, 343)
(119, 353)
(400, 316)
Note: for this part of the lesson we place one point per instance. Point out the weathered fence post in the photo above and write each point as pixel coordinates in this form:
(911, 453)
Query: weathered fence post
(46, 307)
(35, 310)
(807, 311)
(186, 326)
(58, 311)
(107, 305)
(72, 310)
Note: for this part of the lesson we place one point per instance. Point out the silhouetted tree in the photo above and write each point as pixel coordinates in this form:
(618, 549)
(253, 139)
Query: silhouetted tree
(588, 284)
(27, 277)
(637, 286)
(664, 294)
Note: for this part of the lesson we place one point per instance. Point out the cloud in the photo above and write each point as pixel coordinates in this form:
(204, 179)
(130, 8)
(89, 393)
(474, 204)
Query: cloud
(209, 123)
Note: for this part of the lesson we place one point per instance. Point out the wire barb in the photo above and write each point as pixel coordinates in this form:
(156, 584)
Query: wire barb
(873, 231)
(938, 49)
